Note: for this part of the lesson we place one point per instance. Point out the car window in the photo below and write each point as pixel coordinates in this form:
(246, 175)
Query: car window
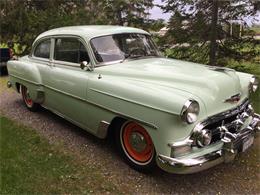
(121, 46)
(70, 50)
(42, 50)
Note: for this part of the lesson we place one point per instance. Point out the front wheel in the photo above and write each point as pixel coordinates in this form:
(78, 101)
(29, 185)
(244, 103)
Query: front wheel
(30, 105)
(136, 145)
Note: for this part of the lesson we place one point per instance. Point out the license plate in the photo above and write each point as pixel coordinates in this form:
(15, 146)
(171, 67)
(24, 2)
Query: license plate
(249, 142)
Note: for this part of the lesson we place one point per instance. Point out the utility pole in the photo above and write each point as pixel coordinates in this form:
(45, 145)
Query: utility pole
(213, 33)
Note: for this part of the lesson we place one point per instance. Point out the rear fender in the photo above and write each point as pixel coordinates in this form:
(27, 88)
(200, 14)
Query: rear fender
(24, 72)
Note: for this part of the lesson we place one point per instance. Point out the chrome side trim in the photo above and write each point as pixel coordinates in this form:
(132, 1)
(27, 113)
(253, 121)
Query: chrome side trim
(68, 119)
(40, 97)
(105, 108)
(63, 63)
(65, 93)
(32, 82)
(95, 104)
(127, 100)
(102, 129)
(44, 61)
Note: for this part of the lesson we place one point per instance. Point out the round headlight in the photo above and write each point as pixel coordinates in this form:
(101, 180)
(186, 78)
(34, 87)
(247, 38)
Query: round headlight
(204, 137)
(190, 111)
(253, 84)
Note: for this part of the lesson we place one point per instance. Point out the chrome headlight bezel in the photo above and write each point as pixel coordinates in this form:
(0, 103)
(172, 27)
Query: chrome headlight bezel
(190, 111)
(253, 84)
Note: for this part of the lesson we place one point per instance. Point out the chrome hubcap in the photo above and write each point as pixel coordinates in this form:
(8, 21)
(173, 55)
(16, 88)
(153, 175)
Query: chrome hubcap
(138, 142)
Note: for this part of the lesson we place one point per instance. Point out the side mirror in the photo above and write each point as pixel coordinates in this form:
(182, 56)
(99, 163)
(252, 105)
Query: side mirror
(86, 65)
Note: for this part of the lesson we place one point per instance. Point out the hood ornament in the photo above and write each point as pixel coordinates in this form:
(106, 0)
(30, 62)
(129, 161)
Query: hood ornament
(234, 98)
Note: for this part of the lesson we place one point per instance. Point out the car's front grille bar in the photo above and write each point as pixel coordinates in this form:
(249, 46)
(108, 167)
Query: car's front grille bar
(232, 120)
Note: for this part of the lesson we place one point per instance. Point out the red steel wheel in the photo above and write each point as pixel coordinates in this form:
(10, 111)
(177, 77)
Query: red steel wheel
(136, 143)
(27, 99)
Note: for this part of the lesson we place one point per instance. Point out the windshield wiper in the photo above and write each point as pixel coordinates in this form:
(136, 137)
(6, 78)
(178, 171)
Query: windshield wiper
(128, 56)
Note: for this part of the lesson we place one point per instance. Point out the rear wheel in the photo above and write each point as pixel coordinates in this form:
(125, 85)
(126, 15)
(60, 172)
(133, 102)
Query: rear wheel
(136, 146)
(32, 106)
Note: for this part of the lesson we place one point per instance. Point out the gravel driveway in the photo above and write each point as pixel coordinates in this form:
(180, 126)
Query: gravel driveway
(239, 177)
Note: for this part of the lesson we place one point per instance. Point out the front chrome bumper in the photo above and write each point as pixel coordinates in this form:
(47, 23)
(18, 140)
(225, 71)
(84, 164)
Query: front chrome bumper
(231, 145)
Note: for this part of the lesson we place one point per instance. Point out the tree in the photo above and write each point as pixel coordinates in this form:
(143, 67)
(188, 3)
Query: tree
(156, 25)
(23, 20)
(132, 12)
(213, 32)
(208, 17)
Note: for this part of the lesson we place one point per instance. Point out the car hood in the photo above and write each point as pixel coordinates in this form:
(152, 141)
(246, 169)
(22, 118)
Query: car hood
(209, 85)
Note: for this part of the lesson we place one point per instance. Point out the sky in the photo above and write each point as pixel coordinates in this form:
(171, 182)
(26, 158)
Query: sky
(157, 13)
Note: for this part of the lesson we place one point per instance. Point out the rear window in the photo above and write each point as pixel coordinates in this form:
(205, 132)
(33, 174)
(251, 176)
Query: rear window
(42, 50)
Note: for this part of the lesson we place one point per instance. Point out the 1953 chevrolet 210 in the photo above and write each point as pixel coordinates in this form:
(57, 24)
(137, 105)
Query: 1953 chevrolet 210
(182, 116)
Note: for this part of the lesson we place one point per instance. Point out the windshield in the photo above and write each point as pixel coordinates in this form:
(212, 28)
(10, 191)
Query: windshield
(122, 46)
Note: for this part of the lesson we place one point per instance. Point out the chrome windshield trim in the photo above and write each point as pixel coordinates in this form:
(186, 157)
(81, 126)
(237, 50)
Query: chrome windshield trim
(123, 60)
(98, 64)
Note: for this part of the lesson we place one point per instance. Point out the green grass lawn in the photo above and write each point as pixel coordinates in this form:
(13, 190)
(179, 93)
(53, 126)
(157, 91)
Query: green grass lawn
(30, 165)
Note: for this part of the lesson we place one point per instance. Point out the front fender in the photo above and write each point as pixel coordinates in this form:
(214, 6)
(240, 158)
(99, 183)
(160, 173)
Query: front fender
(157, 109)
(244, 81)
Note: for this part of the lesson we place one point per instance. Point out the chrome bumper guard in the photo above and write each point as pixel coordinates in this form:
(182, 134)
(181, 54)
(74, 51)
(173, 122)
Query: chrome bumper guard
(232, 144)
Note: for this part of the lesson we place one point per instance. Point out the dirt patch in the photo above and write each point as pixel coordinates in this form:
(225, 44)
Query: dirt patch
(240, 177)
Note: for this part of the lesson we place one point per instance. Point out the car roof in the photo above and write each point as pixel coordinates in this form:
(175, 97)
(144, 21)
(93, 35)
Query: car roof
(91, 31)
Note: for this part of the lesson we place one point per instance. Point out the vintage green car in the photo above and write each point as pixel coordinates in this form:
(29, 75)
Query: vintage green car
(182, 116)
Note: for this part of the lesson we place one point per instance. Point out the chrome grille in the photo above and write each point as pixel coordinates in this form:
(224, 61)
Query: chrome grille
(231, 120)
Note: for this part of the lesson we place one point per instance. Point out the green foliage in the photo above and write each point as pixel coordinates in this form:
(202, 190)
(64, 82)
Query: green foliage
(22, 21)
(236, 53)
(153, 25)
(240, 49)
(196, 53)
(256, 29)
(131, 12)
(30, 165)
(194, 21)
(244, 66)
